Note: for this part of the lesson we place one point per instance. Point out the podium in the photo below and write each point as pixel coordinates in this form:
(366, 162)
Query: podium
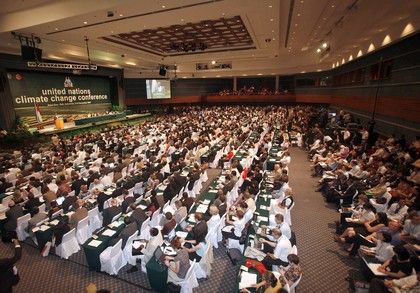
(59, 123)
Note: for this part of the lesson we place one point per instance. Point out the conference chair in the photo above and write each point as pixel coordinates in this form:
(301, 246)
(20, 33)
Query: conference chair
(68, 245)
(155, 220)
(204, 176)
(22, 226)
(221, 226)
(203, 268)
(213, 236)
(95, 221)
(128, 250)
(112, 259)
(116, 217)
(288, 216)
(82, 232)
(190, 281)
(42, 208)
(57, 213)
(292, 288)
(144, 230)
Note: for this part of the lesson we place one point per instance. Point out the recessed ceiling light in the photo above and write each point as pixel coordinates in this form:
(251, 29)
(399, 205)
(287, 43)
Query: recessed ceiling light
(272, 31)
(56, 28)
(270, 6)
(112, 32)
(121, 15)
(63, 40)
(85, 22)
(298, 14)
(182, 19)
(244, 74)
(223, 13)
(333, 6)
(259, 74)
(324, 45)
(295, 24)
(217, 75)
(274, 39)
(163, 6)
(213, 62)
(130, 63)
(318, 50)
(271, 19)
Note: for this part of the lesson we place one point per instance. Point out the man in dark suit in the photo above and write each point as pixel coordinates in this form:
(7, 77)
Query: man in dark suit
(128, 200)
(77, 183)
(15, 211)
(128, 230)
(138, 216)
(187, 201)
(193, 176)
(60, 229)
(230, 183)
(8, 273)
(109, 213)
(68, 202)
(199, 230)
(168, 224)
(31, 203)
(101, 199)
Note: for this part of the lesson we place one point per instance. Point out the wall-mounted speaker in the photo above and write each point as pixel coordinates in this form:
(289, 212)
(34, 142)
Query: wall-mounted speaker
(162, 71)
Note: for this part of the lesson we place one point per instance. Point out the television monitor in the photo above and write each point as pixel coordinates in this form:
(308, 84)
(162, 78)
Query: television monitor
(158, 88)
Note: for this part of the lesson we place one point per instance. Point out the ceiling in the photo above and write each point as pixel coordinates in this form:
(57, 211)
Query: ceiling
(264, 37)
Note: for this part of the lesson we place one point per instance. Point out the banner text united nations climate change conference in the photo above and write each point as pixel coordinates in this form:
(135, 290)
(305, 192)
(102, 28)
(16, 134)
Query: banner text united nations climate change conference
(62, 96)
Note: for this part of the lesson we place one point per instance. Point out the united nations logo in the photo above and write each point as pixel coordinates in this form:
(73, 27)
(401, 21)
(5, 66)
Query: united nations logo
(68, 82)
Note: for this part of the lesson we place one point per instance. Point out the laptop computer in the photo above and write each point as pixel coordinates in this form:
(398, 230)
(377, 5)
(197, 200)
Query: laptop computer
(60, 200)
(159, 256)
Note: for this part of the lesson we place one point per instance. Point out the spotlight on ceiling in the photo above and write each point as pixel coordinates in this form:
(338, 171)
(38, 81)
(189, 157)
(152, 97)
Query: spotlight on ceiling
(324, 45)
(213, 62)
(318, 50)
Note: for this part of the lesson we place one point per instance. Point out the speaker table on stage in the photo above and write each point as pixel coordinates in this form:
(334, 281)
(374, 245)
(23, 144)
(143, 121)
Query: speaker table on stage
(59, 122)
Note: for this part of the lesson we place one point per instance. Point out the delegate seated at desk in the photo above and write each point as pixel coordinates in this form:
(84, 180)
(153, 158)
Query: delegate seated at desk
(177, 266)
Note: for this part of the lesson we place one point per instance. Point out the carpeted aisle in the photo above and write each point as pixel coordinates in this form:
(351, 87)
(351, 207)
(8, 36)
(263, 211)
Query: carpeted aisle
(324, 264)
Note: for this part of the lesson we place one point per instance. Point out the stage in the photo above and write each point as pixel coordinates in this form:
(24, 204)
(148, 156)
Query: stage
(50, 129)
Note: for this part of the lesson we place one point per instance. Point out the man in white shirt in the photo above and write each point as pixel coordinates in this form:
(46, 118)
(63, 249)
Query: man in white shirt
(280, 224)
(282, 248)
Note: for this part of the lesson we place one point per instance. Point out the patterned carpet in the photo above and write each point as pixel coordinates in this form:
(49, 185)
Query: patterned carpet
(324, 265)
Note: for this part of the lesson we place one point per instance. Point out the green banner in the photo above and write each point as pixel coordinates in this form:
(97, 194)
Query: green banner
(57, 90)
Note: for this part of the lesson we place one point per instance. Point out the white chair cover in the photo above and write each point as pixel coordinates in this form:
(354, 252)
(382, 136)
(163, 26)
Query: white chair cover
(288, 216)
(82, 232)
(155, 218)
(68, 245)
(21, 227)
(144, 231)
(112, 259)
(190, 282)
(294, 250)
(116, 217)
(95, 221)
(203, 268)
(221, 226)
(42, 208)
(212, 235)
(128, 250)
(204, 176)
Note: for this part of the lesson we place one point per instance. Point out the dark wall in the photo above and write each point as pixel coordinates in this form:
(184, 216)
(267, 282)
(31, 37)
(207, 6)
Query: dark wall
(135, 88)
(258, 83)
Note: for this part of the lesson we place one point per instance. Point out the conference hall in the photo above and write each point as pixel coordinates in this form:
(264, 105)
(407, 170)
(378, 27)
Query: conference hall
(196, 146)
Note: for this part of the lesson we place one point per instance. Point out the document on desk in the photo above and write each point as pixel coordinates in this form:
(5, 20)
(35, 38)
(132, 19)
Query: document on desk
(55, 222)
(213, 191)
(109, 232)
(181, 234)
(202, 208)
(247, 280)
(95, 243)
(191, 218)
(262, 219)
(44, 227)
(206, 201)
(136, 244)
(374, 268)
(143, 207)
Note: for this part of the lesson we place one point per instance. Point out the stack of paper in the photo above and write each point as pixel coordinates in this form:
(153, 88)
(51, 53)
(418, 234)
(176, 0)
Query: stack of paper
(109, 232)
(95, 243)
(247, 280)
(213, 191)
(181, 234)
(55, 222)
(262, 219)
(206, 201)
(202, 208)
(143, 207)
(191, 218)
(44, 228)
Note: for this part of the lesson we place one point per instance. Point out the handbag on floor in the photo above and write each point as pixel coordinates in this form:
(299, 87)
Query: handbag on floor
(46, 249)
